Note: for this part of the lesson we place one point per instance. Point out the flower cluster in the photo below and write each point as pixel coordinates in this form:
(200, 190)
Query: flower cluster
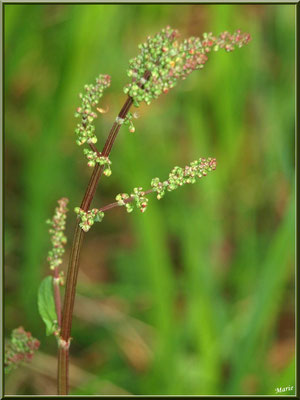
(159, 187)
(58, 239)
(138, 196)
(169, 60)
(140, 200)
(88, 218)
(180, 176)
(127, 121)
(20, 349)
(94, 158)
(121, 199)
(85, 130)
(226, 40)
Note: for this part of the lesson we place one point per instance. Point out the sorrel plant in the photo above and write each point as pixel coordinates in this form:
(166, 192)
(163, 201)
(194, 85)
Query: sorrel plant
(163, 60)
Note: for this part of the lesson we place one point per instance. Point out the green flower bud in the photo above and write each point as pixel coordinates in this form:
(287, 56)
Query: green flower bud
(107, 172)
(91, 163)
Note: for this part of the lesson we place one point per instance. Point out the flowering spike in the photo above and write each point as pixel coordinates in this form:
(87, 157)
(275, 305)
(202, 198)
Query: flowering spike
(169, 60)
(180, 176)
(85, 130)
(58, 239)
(177, 177)
(20, 349)
(93, 157)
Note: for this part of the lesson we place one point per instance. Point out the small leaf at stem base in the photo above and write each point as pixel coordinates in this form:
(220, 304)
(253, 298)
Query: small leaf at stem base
(46, 305)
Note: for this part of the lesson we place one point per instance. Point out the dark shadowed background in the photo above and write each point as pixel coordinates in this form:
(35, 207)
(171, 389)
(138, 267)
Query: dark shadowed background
(195, 296)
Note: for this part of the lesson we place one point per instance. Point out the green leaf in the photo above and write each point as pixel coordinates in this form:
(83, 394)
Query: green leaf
(46, 305)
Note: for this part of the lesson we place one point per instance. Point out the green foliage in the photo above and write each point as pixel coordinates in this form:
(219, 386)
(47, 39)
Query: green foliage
(46, 305)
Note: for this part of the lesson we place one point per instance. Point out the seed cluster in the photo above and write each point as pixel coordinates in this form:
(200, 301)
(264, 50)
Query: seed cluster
(138, 196)
(88, 218)
(128, 121)
(227, 40)
(94, 158)
(85, 130)
(180, 176)
(141, 201)
(121, 199)
(58, 239)
(169, 60)
(20, 349)
(177, 177)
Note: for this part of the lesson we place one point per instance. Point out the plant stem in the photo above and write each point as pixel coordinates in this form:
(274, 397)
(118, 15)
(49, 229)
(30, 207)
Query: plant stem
(91, 189)
(64, 341)
(63, 353)
(71, 281)
(57, 300)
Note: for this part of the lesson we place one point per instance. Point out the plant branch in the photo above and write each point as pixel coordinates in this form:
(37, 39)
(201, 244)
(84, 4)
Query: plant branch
(63, 351)
(126, 201)
(169, 61)
(98, 170)
(57, 299)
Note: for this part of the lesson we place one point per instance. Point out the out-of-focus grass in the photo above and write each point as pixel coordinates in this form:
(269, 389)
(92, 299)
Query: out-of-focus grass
(198, 292)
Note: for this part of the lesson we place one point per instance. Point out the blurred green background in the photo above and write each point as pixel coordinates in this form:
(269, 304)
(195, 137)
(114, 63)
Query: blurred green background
(196, 296)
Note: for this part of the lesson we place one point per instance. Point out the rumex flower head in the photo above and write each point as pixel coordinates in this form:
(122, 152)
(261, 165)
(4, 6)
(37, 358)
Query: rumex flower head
(177, 177)
(58, 239)
(169, 60)
(180, 176)
(85, 129)
(20, 349)
(122, 201)
(88, 218)
(138, 196)
(94, 158)
(129, 121)
(140, 200)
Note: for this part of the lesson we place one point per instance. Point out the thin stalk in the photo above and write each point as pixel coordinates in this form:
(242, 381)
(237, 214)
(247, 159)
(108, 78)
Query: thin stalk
(57, 300)
(71, 281)
(90, 192)
(126, 201)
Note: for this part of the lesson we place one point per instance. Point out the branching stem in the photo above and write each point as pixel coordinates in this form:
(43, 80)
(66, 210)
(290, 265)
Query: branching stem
(71, 281)
(57, 300)
(126, 201)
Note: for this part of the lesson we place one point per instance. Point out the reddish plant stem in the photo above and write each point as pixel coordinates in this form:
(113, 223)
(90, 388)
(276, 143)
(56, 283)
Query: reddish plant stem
(74, 258)
(94, 148)
(57, 300)
(89, 194)
(64, 340)
(63, 370)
